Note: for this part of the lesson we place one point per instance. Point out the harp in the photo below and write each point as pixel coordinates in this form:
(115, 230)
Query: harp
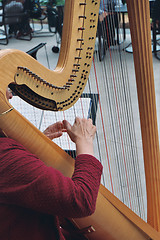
(48, 90)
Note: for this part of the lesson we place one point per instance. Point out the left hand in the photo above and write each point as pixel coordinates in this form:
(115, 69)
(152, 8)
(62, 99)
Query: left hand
(103, 15)
(55, 130)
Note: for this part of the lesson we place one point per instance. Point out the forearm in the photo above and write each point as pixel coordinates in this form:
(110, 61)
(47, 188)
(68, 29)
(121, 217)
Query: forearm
(87, 176)
(83, 147)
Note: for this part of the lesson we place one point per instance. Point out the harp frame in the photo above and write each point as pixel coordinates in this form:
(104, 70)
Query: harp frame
(124, 222)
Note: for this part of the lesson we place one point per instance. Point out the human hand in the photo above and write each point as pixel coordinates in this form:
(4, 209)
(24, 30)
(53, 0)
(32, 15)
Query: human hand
(103, 15)
(82, 134)
(55, 130)
(9, 93)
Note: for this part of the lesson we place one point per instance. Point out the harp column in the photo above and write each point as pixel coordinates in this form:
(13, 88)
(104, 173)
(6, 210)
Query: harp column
(139, 18)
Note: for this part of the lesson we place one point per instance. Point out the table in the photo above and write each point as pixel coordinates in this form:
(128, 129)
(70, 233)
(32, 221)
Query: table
(129, 47)
(121, 9)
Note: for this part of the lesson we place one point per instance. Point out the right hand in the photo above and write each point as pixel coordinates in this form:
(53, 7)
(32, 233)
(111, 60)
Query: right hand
(82, 134)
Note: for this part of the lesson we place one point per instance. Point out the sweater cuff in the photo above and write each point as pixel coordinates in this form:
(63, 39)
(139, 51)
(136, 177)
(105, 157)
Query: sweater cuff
(88, 159)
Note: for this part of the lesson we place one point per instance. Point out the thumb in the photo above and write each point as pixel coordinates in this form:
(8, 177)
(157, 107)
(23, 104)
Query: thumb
(68, 128)
(67, 125)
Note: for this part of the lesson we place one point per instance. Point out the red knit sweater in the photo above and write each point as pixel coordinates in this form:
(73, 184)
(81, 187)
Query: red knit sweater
(32, 195)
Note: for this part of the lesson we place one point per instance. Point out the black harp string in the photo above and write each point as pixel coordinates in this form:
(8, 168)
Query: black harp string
(123, 90)
(125, 109)
(106, 36)
(129, 132)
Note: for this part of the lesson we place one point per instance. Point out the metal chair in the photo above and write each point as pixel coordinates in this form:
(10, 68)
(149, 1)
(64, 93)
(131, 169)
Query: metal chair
(3, 33)
(155, 15)
(106, 31)
(12, 14)
(55, 23)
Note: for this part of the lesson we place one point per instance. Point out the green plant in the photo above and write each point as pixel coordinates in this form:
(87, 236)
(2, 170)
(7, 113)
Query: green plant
(43, 2)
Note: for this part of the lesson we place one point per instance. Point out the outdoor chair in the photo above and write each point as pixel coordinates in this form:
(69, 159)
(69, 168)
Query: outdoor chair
(155, 16)
(11, 15)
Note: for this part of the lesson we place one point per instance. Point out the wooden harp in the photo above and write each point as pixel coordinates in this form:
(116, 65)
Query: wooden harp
(112, 219)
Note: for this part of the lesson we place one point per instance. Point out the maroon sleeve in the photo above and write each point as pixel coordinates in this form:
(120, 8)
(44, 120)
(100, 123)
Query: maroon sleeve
(26, 181)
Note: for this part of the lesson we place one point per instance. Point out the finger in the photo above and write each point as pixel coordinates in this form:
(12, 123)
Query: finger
(54, 127)
(60, 126)
(57, 134)
(90, 120)
(54, 135)
(77, 120)
(67, 125)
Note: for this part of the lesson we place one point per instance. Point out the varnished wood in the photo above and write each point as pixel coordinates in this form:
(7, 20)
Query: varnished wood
(139, 18)
(112, 220)
(65, 84)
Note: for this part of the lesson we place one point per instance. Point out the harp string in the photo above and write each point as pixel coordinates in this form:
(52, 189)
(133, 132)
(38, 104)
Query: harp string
(121, 138)
(103, 127)
(69, 147)
(104, 27)
(95, 103)
(109, 28)
(103, 121)
(132, 151)
(129, 132)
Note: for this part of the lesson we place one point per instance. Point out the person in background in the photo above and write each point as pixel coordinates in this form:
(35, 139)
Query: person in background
(108, 21)
(33, 10)
(33, 196)
(55, 9)
(24, 10)
(155, 14)
(18, 18)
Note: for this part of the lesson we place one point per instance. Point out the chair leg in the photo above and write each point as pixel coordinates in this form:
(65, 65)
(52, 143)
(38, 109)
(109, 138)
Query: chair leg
(155, 50)
(154, 37)
(101, 47)
(6, 36)
(27, 37)
(33, 52)
(41, 26)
